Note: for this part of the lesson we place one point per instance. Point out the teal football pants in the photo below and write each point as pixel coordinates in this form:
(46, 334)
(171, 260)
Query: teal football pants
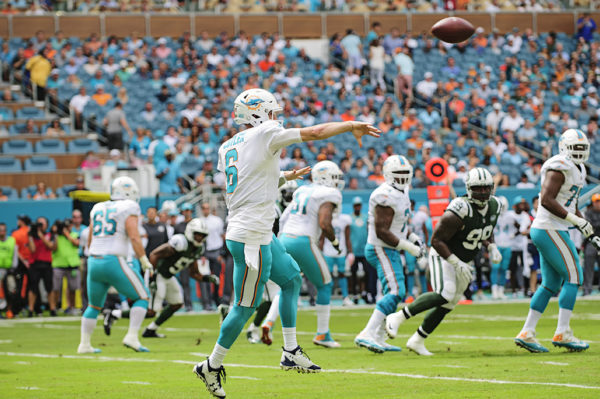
(498, 273)
(248, 284)
(391, 275)
(109, 270)
(311, 262)
(559, 262)
(340, 262)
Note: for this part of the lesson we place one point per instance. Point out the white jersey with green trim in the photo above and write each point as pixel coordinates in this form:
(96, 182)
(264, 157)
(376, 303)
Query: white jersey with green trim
(107, 220)
(568, 195)
(303, 212)
(250, 161)
(387, 196)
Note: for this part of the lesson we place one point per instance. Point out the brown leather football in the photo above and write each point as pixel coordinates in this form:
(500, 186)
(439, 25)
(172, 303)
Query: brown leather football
(453, 30)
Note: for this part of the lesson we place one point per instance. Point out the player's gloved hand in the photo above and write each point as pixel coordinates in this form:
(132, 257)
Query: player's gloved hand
(212, 278)
(495, 255)
(152, 284)
(415, 239)
(422, 263)
(464, 271)
(595, 241)
(409, 247)
(582, 225)
(145, 263)
(336, 244)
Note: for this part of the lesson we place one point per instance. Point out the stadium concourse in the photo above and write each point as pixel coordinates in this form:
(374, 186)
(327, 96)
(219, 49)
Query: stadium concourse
(498, 101)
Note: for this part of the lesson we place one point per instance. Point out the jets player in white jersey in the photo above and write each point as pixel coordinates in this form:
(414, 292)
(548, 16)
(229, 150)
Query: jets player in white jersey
(114, 226)
(250, 161)
(503, 233)
(341, 225)
(563, 177)
(308, 216)
(388, 234)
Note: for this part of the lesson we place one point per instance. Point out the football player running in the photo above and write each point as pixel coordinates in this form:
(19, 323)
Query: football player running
(114, 226)
(563, 177)
(250, 161)
(388, 234)
(309, 215)
(467, 224)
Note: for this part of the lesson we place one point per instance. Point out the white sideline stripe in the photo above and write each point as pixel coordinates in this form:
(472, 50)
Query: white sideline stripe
(199, 354)
(5, 341)
(136, 382)
(555, 363)
(243, 377)
(258, 366)
(452, 366)
(28, 388)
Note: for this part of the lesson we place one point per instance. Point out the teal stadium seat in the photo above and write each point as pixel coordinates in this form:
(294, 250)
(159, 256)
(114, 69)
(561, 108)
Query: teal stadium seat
(81, 146)
(50, 146)
(40, 164)
(17, 147)
(10, 165)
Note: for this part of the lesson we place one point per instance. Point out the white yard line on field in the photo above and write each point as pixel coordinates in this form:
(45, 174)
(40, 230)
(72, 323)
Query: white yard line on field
(243, 377)
(555, 363)
(28, 388)
(5, 341)
(364, 372)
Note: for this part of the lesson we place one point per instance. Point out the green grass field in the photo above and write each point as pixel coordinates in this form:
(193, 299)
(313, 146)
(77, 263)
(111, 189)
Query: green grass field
(475, 357)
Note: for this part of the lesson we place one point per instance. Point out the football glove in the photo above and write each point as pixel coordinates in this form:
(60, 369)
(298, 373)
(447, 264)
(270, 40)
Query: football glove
(582, 225)
(422, 263)
(409, 247)
(415, 239)
(211, 278)
(152, 284)
(145, 263)
(595, 241)
(336, 244)
(495, 255)
(464, 271)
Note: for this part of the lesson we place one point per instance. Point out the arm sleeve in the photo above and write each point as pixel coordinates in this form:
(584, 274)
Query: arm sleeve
(459, 207)
(178, 242)
(280, 137)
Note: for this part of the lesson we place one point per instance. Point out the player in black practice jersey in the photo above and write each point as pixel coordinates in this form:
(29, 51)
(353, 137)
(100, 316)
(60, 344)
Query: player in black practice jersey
(467, 224)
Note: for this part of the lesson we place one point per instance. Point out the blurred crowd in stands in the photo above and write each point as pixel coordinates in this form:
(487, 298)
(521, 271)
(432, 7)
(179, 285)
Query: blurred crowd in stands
(497, 100)
(30, 7)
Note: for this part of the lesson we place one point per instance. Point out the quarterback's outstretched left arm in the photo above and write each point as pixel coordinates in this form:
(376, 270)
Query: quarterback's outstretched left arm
(326, 130)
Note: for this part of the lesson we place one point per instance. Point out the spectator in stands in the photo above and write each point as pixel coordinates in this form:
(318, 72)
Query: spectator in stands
(430, 117)
(65, 263)
(138, 148)
(156, 231)
(114, 122)
(527, 135)
(116, 159)
(512, 155)
(169, 175)
(41, 244)
(406, 68)
(586, 27)
(42, 192)
(55, 129)
(511, 122)
(39, 68)
(148, 114)
(91, 161)
(375, 32)
(377, 175)
(524, 182)
(426, 87)
(30, 127)
(351, 44)
(392, 41)
(101, 97)
(451, 69)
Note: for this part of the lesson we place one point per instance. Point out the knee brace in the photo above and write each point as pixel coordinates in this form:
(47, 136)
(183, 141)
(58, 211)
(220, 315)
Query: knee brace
(324, 294)
(388, 304)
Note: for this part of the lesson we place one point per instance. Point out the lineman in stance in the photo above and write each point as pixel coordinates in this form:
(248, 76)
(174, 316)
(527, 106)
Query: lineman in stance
(309, 216)
(467, 224)
(114, 225)
(563, 177)
(389, 210)
(250, 161)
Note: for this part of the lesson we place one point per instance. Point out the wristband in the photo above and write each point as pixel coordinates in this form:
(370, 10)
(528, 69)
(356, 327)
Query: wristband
(572, 218)
(453, 260)
(335, 243)
(412, 237)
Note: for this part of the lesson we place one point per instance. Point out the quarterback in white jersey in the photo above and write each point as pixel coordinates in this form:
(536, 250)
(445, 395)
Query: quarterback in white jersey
(342, 260)
(114, 225)
(250, 161)
(563, 177)
(308, 216)
(388, 234)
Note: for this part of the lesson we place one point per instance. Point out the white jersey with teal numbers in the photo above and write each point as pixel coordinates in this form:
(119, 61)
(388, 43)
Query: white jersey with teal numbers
(567, 196)
(339, 223)
(303, 211)
(109, 236)
(386, 195)
(250, 161)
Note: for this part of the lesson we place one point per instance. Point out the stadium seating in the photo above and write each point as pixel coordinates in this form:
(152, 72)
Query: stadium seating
(30, 113)
(10, 165)
(50, 146)
(81, 146)
(40, 164)
(17, 147)
(10, 192)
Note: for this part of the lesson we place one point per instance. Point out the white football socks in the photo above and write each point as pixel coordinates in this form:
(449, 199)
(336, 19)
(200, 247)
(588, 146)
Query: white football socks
(87, 328)
(564, 316)
(289, 338)
(375, 321)
(215, 359)
(532, 319)
(152, 326)
(323, 312)
(273, 313)
(136, 318)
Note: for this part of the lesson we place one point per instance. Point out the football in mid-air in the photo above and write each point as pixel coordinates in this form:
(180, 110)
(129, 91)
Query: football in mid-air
(453, 30)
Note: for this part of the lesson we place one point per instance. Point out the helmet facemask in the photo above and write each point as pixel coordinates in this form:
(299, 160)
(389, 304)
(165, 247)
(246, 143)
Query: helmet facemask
(479, 194)
(578, 153)
(400, 179)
